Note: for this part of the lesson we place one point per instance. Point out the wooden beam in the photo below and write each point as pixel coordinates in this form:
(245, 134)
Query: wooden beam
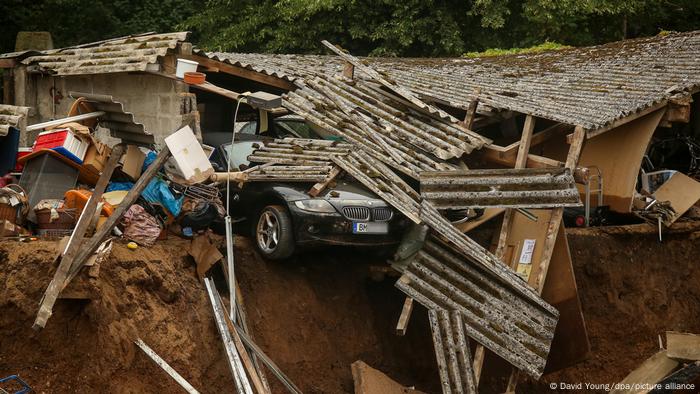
(73, 247)
(166, 367)
(650, 372)
(471, 110)
(406, 311)
(683, 346)
(240, 72)
(542, 136)
(321, 186)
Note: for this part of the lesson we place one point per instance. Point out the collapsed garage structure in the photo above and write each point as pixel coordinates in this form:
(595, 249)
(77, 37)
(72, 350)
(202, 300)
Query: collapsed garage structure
(520, 136)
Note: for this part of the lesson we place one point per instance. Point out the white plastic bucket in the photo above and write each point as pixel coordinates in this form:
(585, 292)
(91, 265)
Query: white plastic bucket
(185, 66)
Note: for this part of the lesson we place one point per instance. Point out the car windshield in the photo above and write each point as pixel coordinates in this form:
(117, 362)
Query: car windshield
(238, 153)
(294, 128)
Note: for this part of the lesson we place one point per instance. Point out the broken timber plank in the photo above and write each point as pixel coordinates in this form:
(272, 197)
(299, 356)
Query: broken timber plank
(321, 186)
(166, 367)
(73, 247)
(682, 381)
(234, 361)
(683, 346)
(650, 372)
(471, 110)
(402, 325)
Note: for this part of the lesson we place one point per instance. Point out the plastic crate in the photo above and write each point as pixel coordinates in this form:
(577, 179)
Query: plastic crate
(46, 177)
(63, 141)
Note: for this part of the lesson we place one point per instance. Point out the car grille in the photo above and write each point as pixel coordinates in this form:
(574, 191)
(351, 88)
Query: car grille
(382, 214)
(356, 213)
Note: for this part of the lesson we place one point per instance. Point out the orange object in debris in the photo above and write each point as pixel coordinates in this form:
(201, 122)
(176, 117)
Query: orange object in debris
(78, 198)
(194, 78)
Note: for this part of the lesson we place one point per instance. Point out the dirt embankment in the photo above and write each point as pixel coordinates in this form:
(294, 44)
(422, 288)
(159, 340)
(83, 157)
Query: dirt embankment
(633, 288)
(313, 315)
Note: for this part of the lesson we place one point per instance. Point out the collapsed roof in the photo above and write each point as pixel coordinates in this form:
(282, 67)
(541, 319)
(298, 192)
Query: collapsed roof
(589, 86)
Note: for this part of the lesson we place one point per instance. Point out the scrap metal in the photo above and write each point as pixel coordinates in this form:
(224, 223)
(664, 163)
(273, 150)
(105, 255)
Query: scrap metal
(452, 352)
(495, 315)
(11, 116)
(500, 188)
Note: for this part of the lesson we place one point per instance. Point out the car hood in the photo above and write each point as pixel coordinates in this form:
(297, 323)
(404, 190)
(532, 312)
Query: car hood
(342, 194)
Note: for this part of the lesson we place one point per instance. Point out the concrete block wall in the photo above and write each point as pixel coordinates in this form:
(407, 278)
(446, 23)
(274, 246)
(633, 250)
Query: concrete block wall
(154, 100)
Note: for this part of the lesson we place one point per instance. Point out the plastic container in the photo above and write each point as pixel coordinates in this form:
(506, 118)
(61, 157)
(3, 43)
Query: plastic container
(195, 78)
(46, 177)
(21, 152)
(78, 199)
(185, 66)
(63, 141)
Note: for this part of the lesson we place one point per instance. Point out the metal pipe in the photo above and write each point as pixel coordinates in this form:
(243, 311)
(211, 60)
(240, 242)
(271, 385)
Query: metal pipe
(58, 122)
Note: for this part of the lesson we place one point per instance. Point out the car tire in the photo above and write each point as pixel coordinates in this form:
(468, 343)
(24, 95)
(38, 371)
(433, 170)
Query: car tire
(273, 233)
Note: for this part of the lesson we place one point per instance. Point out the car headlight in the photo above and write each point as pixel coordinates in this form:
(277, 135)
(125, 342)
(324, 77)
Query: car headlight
(316, 205)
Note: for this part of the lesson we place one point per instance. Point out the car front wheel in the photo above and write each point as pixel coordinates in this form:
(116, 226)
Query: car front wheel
(273, 233)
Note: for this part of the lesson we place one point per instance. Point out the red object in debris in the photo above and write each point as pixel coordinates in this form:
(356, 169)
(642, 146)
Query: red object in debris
(194, 78)
(580, 221)
(21, 152)
(63, 141)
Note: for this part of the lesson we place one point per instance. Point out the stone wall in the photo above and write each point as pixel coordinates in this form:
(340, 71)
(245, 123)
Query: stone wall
(155, 101)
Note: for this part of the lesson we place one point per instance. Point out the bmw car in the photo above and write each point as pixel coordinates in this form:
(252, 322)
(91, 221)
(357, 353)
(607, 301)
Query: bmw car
(282, 217)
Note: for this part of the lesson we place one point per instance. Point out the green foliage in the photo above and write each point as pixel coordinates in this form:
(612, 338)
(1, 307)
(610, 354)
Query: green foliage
(545, 46)
(364, 27)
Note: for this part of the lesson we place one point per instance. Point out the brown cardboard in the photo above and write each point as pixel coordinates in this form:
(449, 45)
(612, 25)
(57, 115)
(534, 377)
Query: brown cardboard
(132, 161)
(96, 157)
(681, 191)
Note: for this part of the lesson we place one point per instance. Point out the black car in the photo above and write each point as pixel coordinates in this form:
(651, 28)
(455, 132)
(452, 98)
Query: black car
(282, 217)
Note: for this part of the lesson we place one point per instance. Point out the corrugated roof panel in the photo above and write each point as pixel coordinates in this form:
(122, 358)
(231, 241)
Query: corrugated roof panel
(120, 123)
(133, 53)
(587, 86)
(504, 188)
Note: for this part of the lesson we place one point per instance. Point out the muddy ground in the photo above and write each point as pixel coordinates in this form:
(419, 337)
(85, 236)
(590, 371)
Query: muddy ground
(314, 315)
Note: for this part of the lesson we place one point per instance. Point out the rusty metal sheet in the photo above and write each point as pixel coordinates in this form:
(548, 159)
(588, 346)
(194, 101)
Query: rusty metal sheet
(500, 188)
(452, 352)
(125, 54)
(120, 123)
(496, 315)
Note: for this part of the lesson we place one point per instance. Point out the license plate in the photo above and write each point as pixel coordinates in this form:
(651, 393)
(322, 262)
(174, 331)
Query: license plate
(370, 227)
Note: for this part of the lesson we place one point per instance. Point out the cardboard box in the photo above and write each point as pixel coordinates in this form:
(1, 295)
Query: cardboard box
(132, 162)
(96, 157)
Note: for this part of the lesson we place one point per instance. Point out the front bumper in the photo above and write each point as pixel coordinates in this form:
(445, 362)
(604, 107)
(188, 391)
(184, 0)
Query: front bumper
(314, 228)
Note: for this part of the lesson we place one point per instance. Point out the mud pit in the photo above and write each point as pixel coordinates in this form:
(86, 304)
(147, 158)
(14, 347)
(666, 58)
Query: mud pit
(315, 315)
